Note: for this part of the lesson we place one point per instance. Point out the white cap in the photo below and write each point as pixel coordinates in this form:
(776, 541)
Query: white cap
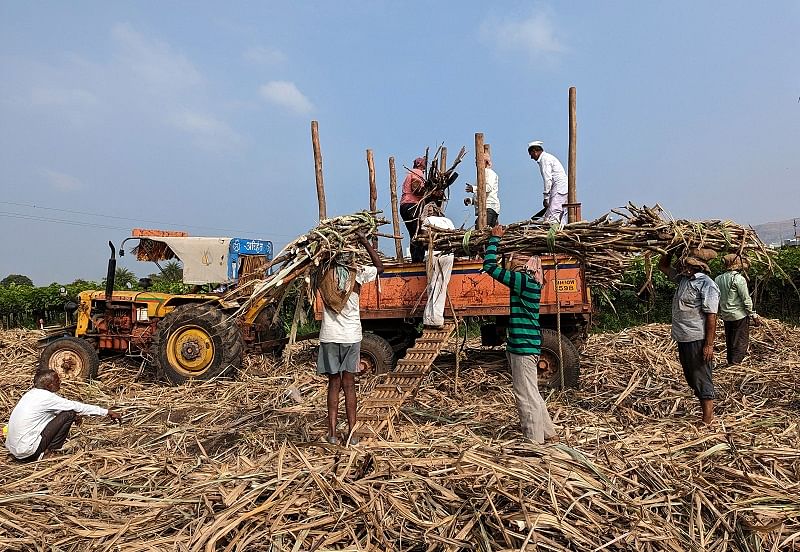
(536, 143)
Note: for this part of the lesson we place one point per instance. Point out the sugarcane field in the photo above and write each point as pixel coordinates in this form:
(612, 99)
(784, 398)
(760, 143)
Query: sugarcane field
(316, 277)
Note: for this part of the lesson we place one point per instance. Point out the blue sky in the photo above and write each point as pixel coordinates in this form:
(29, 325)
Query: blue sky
(196, 115)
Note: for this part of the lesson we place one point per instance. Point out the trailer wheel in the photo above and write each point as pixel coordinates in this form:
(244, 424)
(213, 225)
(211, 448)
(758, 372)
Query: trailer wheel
(197, 342)
(377, 356)
(71, 358)
(548, 361)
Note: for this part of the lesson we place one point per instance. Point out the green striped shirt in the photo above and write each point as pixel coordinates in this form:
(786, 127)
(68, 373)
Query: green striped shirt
(524, 331)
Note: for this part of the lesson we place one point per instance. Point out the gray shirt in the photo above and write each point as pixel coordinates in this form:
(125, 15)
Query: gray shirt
(696, 296)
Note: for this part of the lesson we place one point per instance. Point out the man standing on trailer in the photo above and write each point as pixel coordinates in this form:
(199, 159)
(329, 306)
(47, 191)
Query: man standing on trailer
(411, 205)
(555, 183)
(524, 344)
(694, 322)
(492, 194)
(340, 332)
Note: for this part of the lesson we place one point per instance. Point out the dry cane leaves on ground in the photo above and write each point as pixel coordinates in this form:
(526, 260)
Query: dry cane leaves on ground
(239, 465)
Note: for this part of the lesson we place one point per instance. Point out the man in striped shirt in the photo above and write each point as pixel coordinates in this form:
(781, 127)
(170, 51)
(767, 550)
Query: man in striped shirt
(524, 344)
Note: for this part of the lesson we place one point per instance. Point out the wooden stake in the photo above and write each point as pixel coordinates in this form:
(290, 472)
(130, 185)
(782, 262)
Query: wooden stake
(487, 150)
(571, 161)
(480, 192)
(318, 170)
(373, 190)
(443, 160)
(398, 241)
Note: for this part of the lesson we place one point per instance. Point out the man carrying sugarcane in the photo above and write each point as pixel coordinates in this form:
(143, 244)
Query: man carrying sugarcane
(41, 420)
(340, 332)
(694, 322)
(411, 204)
(524, 344)
(735, 307)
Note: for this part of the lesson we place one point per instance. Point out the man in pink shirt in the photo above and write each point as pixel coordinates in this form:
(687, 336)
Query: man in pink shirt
(411, 205)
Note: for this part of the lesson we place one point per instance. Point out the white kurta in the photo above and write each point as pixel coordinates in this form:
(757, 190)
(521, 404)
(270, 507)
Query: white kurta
(345, 326)
(492, 192)
(33, 412)
(555, 187)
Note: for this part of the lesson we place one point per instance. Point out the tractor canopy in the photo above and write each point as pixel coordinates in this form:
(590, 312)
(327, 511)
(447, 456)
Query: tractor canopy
(206, 260)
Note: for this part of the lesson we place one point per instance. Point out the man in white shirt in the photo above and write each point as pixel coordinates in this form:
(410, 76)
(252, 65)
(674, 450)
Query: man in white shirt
(492, 195)
(42, 419)
(340, 332)
(555, 183)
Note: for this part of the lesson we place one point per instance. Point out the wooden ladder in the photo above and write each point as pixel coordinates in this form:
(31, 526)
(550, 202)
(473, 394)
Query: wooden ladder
(378, 410)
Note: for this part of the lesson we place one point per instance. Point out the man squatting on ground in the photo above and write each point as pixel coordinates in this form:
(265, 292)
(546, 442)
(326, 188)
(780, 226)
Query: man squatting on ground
(554, 179)
(492, 195)
(524, 338)
(41, 420)
(340, 332)
(735, 307)
(694, 321)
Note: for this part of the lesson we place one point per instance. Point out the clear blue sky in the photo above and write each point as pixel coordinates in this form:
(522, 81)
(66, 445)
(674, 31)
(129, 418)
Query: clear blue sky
(196, 115)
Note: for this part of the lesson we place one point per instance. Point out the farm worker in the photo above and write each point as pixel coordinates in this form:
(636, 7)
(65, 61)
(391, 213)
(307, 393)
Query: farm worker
(524, 337)
(555, 183)
(492, 197)
(735, 307)
(694, 321)
(411, 205)
(439, 269)
(41, 420)
(340, 333)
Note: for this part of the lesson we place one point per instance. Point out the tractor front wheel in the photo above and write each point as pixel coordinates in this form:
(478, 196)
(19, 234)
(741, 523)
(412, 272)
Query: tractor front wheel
(71, 358)
(197, 342)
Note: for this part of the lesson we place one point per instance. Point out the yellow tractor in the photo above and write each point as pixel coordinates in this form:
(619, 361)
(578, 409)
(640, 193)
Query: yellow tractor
(184, 336)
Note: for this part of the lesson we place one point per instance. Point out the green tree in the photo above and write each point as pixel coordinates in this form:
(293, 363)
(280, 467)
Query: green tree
(16, 279)
(172, 272)
(123, 277)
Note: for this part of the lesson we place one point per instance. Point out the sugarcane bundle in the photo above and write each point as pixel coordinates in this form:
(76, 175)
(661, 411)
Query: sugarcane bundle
(608, 245)
(311, 254)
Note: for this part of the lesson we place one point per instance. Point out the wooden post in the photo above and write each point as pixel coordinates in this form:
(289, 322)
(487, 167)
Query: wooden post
(398, 240)
(318, 170)
(443, 160)
(480, 192)
(572, 196)
(487, 150)
(373, 190)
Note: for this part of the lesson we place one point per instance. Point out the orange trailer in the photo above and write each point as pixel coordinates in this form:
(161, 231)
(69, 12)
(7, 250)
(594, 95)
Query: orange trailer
(392, 307)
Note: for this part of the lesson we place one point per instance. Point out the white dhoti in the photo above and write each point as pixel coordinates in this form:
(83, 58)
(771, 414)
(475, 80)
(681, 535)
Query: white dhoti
(533, 415)
(555, 210)
(440, 268)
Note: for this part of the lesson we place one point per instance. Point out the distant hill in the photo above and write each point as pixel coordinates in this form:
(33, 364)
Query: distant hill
(774, 232)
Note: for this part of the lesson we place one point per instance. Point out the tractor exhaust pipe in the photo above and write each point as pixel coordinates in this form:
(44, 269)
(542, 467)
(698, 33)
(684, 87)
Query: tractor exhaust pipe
(112, 270)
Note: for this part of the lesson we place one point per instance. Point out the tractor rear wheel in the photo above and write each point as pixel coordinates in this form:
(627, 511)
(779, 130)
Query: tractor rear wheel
(548, 367)
(71, 358)
(197, 342)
